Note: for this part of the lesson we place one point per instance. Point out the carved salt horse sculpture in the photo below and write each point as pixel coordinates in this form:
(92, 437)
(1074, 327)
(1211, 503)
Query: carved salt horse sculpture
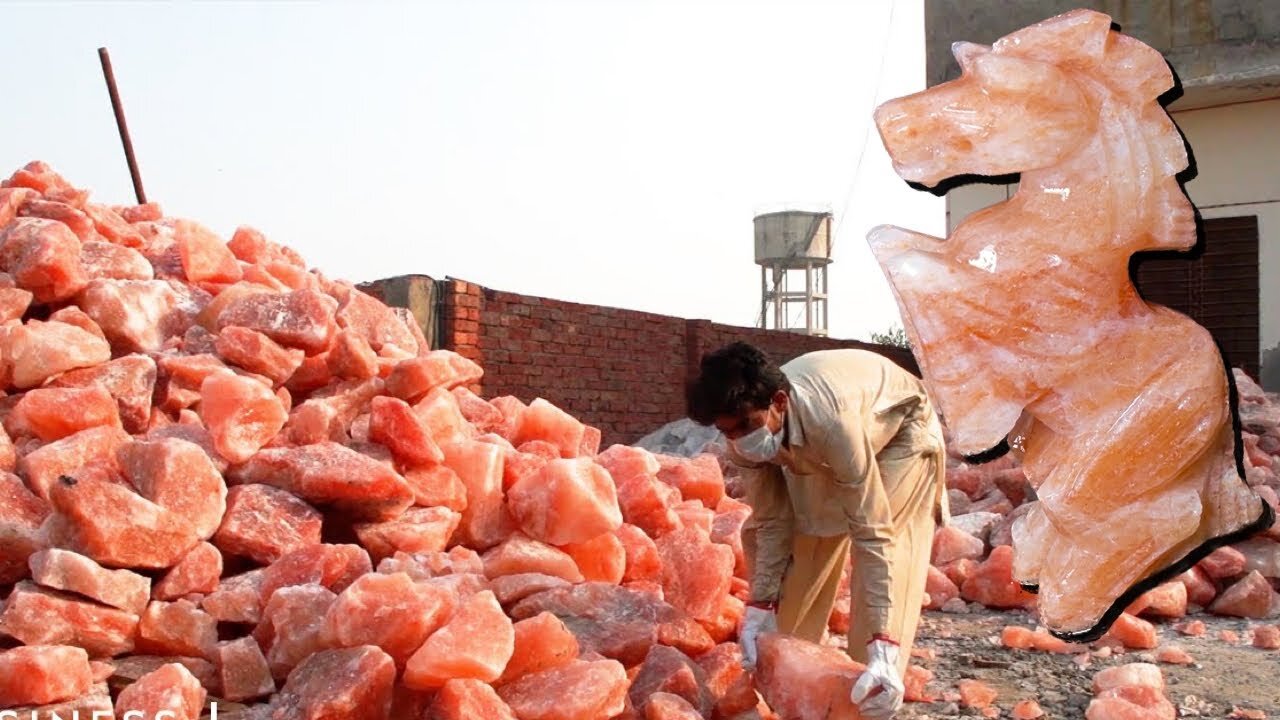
(1027, 327)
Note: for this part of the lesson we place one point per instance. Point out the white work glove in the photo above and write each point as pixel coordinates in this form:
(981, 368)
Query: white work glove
(881, 674)
(755, 622)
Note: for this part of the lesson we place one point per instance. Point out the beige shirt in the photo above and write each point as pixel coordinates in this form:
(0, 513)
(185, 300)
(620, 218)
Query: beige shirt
(855, 423)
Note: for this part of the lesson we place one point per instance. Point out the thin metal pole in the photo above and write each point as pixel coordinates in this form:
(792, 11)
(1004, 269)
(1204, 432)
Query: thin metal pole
(122, 126)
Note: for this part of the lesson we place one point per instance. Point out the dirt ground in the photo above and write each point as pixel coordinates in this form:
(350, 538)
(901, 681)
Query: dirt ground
(1224, 677)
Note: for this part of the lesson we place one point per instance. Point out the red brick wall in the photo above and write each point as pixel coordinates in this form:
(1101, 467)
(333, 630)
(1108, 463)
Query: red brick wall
(622, 371)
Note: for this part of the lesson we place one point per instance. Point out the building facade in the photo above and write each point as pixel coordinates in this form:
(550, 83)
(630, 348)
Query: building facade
(1226, 54)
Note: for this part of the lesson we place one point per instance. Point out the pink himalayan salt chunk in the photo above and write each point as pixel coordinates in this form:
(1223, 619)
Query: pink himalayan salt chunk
(803, 680)
(468, 699)
(511, 408)
(975, 693)
(519, 554)
(372, 320)
(1027, 710)
(1223, 563)
(73, 218)
(476, 643)
(510, 589)
(567, 501)
(694, 514)
(43, 674)
(115, 526)
(665, 706)
(1130, 674)
(479, 467)
(726, 529)
(332, 566)
(992, 583)
(108, 261)
(667, 670)
(1131, 703)
(643, 562)
(413, 378)
(542, 420)
(960, 571)
(617, 622)
(13, 303)
(171, 689)
(352, 357)
(331, 474)
(387, 610)
(37, 351)
(542, 642)
(330, 411)
(394, 424)
(1134, 632)
(237, 599)
(950, 543)
(197, 573)
(75, 573)
(35, 616)
(95, 446)
(251, 246)
(264, 523)
(130, 380)
(484, 416)
(8, 453)
(347, 684)
(205, 256)
(21, 516)
(695, 572)
(140, 315)
(417, 530)
(178, 476)
(54, 413)
(518, 465)
(242, 414)
(603, 558)
(1231, 637)
(437, 485)
(73, 315)
(1266, 637)
(730, 685)
(1249, 597)
(242, 671)
(580, 690)
(12, 199)
(939, 588)
(177, 628)
(1174, 655)
(645, 502)
(44, 257)
(1192, 628)
(257, 353)
(1200, 587)
(293, 626)
(914, 684)
(697, 478)
(443, 418)
(1166, 601)
(300, 319)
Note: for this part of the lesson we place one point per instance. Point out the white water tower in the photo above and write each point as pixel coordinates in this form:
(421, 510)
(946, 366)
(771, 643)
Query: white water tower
(793, 250)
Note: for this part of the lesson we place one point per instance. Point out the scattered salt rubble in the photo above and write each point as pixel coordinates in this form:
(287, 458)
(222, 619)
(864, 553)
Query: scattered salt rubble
(224, 477)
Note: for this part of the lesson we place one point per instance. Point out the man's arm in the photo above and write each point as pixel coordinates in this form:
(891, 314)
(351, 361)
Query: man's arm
(859, 489)
(767, 533)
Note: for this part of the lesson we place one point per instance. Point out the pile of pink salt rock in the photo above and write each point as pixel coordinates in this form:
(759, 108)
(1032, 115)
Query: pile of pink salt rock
(226, 478)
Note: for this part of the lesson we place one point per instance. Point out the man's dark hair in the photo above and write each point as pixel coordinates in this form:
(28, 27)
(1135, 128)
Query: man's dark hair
(732, 381)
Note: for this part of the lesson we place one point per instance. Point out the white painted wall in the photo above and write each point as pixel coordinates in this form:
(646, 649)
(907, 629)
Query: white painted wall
(1237, 153)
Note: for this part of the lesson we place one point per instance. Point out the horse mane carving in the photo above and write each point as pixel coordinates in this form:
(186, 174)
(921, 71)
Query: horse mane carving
(1028, 329)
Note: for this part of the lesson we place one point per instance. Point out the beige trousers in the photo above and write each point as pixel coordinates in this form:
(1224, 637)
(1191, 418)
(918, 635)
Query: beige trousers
(809, 587)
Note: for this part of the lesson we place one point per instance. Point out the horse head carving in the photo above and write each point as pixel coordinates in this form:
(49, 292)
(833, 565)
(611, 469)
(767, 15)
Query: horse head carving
(1028, 328)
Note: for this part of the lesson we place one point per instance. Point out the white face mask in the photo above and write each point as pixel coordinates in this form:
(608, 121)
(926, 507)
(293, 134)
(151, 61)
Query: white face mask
(759, 445)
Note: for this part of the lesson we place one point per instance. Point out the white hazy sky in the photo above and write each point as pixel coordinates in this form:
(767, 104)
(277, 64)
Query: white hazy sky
(609, 151)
